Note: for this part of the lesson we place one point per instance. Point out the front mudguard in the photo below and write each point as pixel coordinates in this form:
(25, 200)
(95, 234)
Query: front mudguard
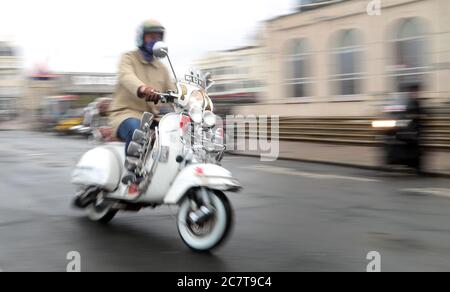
(210, 176)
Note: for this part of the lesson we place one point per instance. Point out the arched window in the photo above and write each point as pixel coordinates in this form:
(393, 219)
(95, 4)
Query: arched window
(298, 70)
(347, 69)
(410, 52)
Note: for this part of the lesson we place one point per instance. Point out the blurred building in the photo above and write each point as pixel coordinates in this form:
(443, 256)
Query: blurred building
(11, 80)
(62, 94)
(339, 58)
(305, 5)
(40, 84)
(239, 74)
(88, 84)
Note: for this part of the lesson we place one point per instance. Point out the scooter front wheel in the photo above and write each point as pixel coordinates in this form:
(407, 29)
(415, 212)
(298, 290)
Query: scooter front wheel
(210, 234)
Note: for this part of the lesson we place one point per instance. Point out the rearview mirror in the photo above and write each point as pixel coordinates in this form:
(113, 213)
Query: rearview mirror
(208, 80)
(209, 83)
(160, 50)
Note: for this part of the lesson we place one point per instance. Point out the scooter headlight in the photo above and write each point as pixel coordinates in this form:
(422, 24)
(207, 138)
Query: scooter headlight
(210, 119)
(196, 99)
(196, 115)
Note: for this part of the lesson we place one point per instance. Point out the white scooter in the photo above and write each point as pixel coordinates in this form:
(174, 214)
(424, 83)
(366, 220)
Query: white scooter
(177, 163)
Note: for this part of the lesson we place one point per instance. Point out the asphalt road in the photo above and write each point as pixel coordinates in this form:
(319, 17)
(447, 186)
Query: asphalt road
(290, 217)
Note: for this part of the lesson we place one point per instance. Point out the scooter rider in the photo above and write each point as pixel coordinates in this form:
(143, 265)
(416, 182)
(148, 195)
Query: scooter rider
(140, 77)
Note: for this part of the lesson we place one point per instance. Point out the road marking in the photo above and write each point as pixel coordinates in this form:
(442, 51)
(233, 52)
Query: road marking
(293, 172)
(445, 193)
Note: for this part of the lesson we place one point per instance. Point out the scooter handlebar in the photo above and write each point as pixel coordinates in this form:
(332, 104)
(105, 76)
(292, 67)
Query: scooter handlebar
(166, 97)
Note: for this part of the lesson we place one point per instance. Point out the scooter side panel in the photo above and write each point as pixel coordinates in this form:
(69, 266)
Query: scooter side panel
(100, 167)
(167, 169)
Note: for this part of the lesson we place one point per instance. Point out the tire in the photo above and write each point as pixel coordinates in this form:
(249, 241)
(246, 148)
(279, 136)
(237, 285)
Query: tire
(101, 211)
(222, 224)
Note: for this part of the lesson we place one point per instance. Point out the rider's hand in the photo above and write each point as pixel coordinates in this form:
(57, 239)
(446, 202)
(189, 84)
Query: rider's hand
(149, 94)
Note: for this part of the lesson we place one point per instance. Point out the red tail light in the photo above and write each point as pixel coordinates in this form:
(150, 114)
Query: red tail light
(133, 189)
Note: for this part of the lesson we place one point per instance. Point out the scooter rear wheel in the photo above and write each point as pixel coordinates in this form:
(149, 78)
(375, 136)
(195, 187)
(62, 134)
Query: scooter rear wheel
(101, 210)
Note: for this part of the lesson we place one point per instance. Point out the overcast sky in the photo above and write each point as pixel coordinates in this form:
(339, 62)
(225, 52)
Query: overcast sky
(90, 35)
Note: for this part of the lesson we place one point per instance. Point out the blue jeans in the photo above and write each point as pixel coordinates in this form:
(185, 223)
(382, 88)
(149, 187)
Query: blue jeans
(126, 131)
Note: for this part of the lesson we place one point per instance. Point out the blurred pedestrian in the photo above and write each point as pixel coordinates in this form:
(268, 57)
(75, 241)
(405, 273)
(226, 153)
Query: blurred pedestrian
(414, 112)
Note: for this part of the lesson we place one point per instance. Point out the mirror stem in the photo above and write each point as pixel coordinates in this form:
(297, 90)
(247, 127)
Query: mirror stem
(171, 67)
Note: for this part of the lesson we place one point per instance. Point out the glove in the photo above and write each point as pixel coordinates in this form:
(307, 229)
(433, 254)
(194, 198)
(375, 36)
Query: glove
(149, 94)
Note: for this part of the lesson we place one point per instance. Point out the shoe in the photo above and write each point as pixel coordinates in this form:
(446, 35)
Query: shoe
(84, 199)
(131, 178)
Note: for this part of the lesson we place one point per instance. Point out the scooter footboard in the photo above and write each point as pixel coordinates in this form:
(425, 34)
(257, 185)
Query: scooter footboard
(201, 175)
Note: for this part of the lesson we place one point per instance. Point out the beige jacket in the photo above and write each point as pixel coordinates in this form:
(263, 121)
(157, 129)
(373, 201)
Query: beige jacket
(134, 72)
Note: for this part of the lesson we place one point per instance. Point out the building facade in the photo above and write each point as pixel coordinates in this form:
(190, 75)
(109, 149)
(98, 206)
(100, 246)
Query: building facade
(38, 86)
(344, 58)
(88, 84)
(42, 85)
(11, 80)
(239, 75)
